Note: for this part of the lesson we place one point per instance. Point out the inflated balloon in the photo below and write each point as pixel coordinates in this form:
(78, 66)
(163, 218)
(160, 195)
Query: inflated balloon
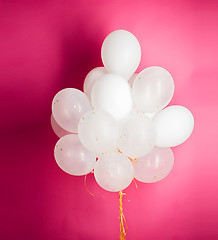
(121, 53)
(90, 79)
(137, 135)
(59, 131)
(173, 126)
(112, 94)
(68, 106)
(154, 166)
(98, 131)
(152, 89)
(114, 171)
(72, 157)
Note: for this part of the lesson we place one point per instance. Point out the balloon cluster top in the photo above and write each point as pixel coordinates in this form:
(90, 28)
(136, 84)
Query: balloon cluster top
(120, 116)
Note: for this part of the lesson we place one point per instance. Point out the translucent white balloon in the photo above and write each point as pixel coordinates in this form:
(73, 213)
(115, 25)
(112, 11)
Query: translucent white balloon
(59, 131)
(72, 157)
(98, 131)
(112, 94)
(173, 125)
(137, 135)
(114, 171)
(155, 166)
(132, 79)
(68, 106)
(90, 79)
(121, 53)
(152, 89)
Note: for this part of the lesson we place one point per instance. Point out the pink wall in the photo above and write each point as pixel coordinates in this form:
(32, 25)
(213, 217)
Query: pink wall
(48, 45)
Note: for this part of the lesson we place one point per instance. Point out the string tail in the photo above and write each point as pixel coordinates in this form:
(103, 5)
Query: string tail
(85, 179)
(123, 226)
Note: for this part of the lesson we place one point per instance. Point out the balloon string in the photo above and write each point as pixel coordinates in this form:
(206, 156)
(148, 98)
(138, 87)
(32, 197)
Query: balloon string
(122, 218)
(136, 186)
(133, 160)
(85, 183)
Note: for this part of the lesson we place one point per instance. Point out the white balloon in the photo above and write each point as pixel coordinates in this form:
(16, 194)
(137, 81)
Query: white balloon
(68, 106)
(137, 135)
(155, 166)
(114, 171)
(90, 79)
(112, 94)
(121, 53)
(72, 157)
(152, 89)
(173, 125)
(98, 131)
(59, 131)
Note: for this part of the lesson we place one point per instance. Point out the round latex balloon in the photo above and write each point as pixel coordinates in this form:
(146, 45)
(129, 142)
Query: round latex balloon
(137, 135)
(152, 89)
(114, 171)
(98, 131)
(68, 106)
(72, 157)
(112, 94)
(173, 126)
(121, 53)
(59, 131)
(90, 79)
(155, 166)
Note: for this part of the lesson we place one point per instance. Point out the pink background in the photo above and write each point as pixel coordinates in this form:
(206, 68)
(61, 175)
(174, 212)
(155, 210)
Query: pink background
(49, 45)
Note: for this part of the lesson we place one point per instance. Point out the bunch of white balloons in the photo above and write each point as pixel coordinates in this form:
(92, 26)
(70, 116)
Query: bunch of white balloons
(119, 126)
